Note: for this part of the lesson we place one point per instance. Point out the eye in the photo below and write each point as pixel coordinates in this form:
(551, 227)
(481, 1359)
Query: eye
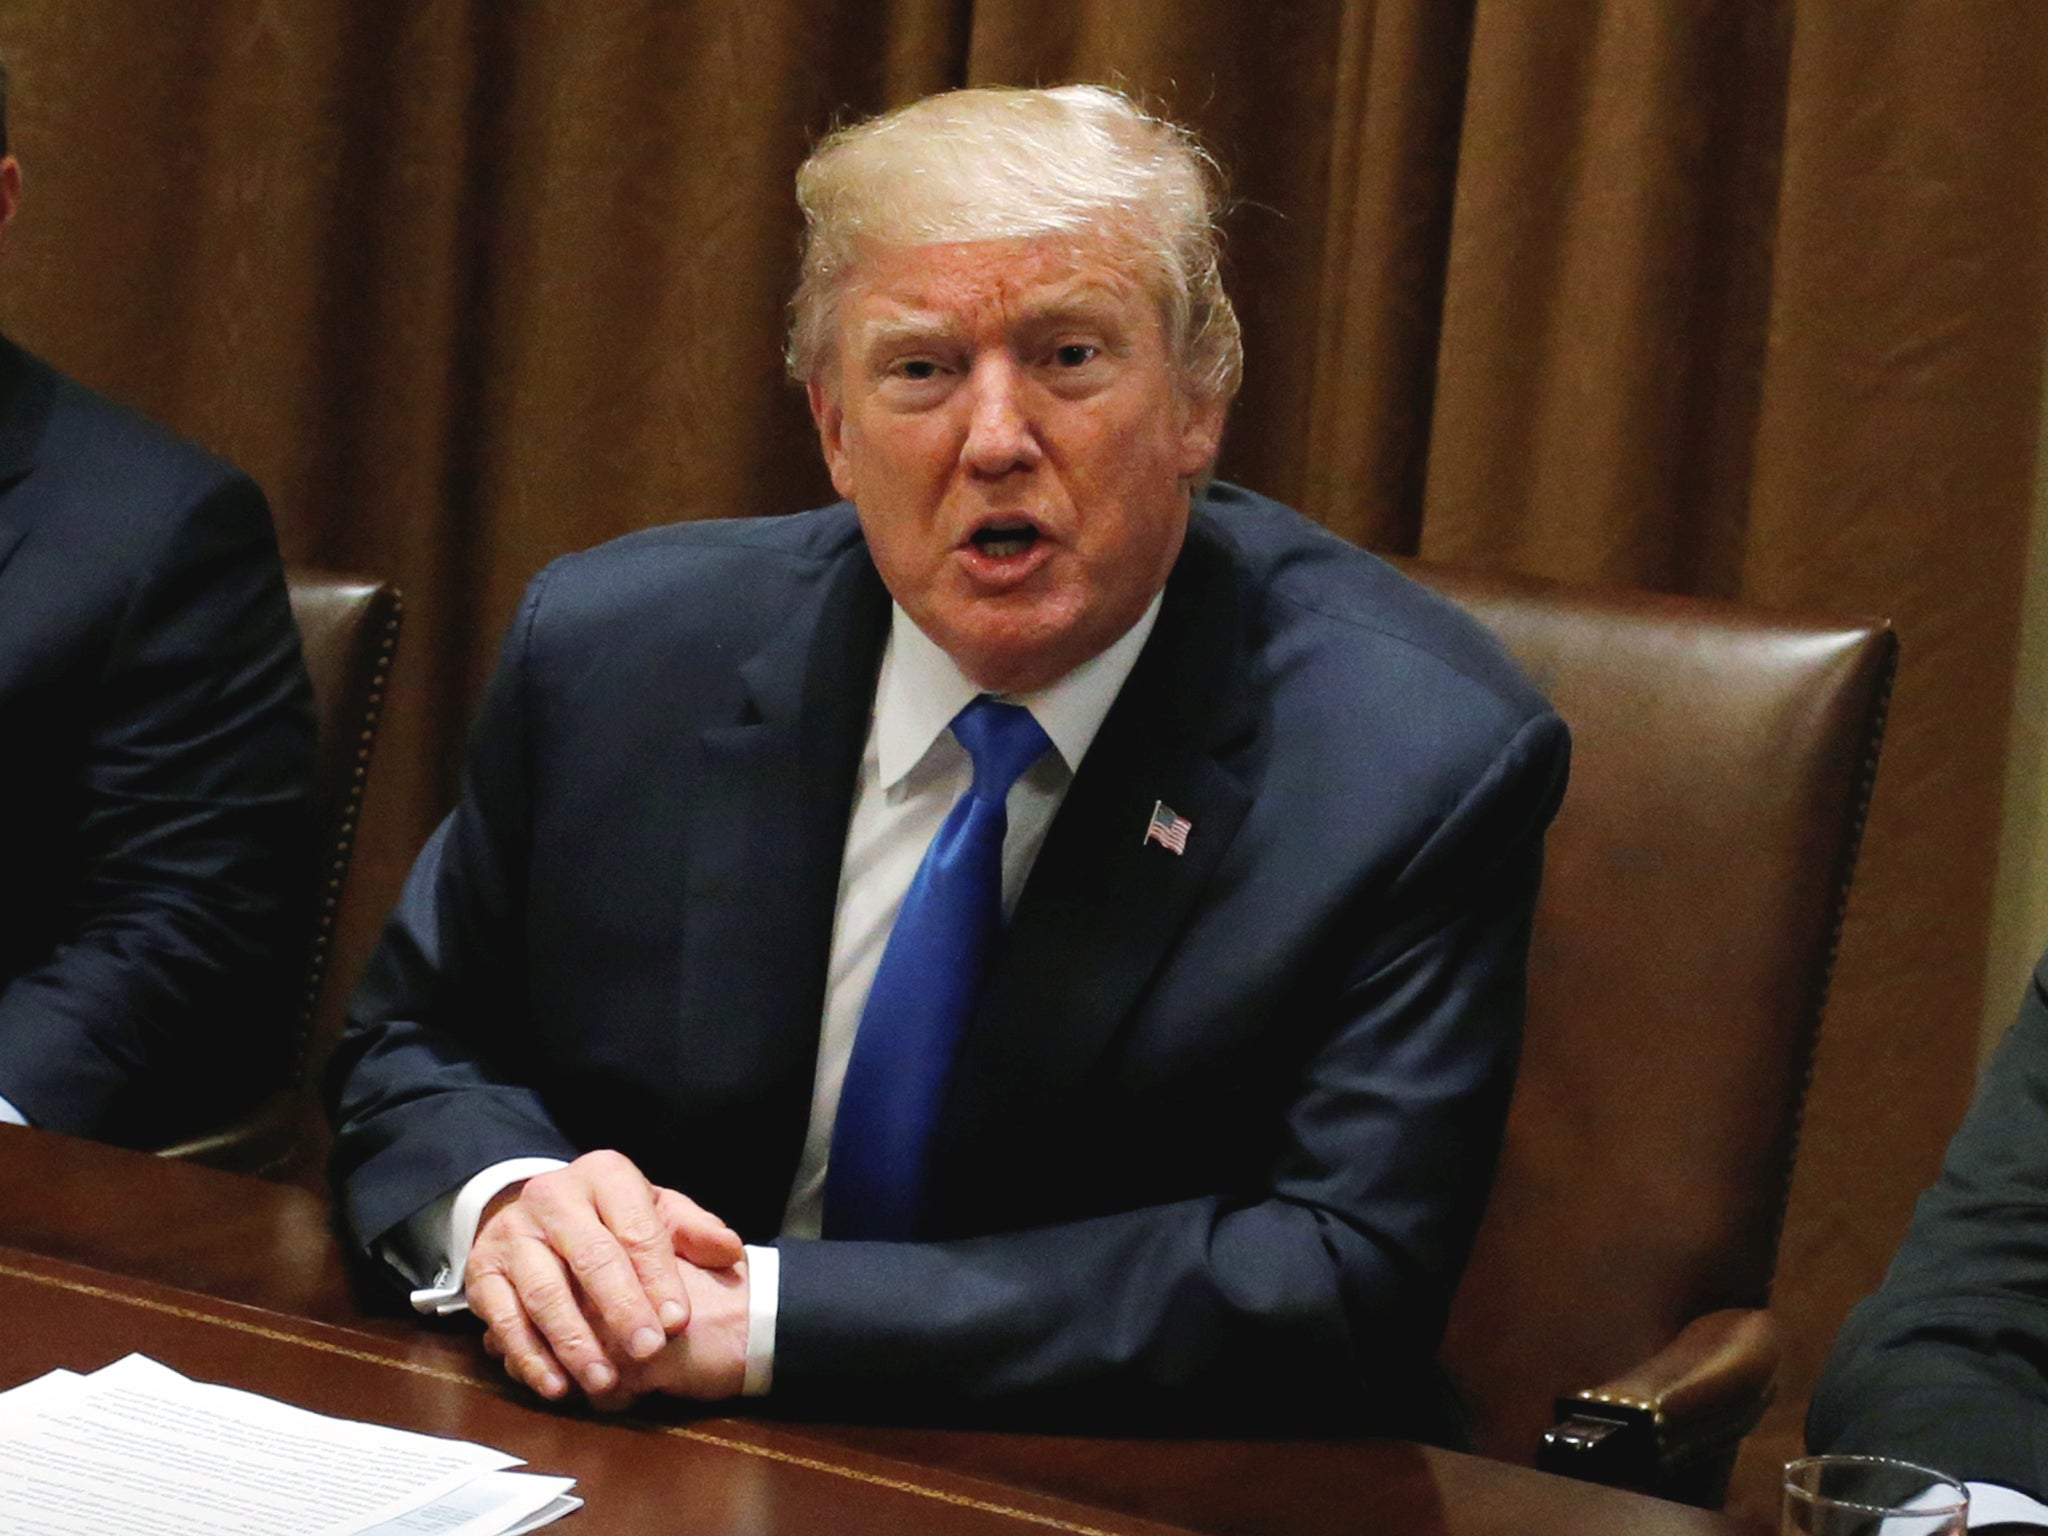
(916, 369)
(1075, 354)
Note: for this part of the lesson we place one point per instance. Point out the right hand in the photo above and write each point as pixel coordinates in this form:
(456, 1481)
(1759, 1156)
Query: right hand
(577, 1272)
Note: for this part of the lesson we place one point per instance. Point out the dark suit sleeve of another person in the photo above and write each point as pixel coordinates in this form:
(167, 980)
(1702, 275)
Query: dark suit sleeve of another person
(1947, 1364)
(1218, 1137)
(155, 739)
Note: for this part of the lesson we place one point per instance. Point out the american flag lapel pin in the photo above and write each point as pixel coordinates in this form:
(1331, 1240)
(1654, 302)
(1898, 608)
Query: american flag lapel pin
(1168, 829)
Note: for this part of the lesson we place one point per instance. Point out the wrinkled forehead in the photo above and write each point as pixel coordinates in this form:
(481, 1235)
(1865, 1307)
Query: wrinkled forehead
(982, 284)
(1049, 272)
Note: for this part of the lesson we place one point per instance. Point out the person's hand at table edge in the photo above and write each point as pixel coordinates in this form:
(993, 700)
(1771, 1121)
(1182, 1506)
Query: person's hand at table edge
(708, 1359)
(579, 1273)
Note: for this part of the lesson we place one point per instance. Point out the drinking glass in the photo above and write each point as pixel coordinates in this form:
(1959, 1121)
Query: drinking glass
(1870, 1496)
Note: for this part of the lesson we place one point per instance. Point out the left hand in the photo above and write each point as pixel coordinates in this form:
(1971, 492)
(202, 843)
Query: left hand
(706, 1361)
(577, 1272)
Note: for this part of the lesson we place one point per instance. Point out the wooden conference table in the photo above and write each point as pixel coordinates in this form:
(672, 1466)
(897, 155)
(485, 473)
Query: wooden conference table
(229, 1279)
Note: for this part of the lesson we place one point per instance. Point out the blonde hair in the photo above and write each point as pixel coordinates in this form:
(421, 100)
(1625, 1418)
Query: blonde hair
(1080, 161)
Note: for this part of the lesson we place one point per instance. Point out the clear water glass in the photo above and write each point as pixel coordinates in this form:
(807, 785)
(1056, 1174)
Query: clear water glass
(1871, 1496)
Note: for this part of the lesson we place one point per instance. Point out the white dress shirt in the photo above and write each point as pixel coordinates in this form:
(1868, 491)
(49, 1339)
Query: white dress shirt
(9, 1115)
(911, 773)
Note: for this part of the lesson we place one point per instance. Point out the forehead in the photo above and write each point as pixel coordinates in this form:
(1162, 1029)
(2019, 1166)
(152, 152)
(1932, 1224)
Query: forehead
(995, 283)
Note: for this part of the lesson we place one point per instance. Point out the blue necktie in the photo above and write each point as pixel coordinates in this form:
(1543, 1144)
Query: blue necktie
(925, 987)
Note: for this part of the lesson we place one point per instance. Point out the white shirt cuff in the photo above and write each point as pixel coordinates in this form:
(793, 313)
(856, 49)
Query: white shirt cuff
(436, 1238)
(1990, 1504)
(9, 1115)
(764, 1293)
(1996, 1504)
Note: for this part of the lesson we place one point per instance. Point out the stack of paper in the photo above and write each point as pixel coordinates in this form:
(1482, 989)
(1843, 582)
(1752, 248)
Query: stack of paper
(138, 1450)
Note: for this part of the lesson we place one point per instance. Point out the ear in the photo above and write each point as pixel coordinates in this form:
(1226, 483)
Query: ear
(1201, 432)
(830, 419)
(10, 188)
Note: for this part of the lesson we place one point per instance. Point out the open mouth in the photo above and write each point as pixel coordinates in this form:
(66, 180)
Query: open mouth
(1002, 540)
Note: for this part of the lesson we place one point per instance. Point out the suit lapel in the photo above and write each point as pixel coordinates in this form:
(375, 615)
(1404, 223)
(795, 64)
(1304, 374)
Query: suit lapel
(767, 828)
(25, 394)
(1103, 906)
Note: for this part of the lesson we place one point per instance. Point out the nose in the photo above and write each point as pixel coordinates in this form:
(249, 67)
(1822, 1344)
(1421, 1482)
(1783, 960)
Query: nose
(1001, 435)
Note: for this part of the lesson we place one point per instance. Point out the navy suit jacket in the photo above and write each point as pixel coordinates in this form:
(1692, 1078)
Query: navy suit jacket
(156, 731)
(1947, 1365)
(1219, 1133)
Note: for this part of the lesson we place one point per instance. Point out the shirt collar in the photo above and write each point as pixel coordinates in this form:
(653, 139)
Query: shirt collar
(920, 690)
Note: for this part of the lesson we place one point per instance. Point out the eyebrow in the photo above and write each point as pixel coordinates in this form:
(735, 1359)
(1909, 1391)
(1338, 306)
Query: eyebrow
(879, 335)
(1077, 301)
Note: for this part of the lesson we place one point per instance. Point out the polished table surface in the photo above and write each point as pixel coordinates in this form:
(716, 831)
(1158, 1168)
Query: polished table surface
(233, 1280)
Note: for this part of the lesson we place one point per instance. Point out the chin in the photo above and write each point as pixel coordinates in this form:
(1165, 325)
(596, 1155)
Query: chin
(1019, 645)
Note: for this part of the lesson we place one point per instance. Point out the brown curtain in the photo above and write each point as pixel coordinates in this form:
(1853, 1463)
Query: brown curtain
(1730, 296)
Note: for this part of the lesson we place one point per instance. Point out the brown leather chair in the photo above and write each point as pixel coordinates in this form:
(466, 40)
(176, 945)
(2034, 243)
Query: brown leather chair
(350, 629)
(1611, 1324)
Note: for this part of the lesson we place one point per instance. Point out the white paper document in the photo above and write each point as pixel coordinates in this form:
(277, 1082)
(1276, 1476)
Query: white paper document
(138, 1450)
(496, 1504)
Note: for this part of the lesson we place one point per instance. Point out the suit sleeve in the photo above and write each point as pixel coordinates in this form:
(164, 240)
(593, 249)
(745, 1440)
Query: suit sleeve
(1947, 1364)
(1317, 1297)
(419, 1106)
(168, 1001)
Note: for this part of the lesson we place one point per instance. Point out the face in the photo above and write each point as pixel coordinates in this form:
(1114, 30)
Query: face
(1008, 422)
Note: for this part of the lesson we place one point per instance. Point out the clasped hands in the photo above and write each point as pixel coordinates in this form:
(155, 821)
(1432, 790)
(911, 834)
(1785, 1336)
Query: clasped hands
(591, 1277)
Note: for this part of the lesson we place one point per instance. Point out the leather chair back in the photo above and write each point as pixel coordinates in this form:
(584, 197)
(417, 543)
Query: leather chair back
(349, 628)
(1692, 897)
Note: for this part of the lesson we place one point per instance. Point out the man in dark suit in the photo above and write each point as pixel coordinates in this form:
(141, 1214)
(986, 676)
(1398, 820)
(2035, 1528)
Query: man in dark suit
(1202, 1134)
(155, 735)
(1947, 1364)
